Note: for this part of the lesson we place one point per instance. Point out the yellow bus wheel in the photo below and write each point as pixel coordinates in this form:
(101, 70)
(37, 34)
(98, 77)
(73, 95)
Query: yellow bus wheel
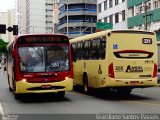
(85, 84)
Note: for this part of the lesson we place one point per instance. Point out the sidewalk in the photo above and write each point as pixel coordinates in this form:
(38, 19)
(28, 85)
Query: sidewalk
(2, 69)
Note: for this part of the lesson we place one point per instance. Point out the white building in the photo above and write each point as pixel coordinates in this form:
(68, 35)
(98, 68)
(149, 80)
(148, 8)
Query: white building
(17, 11)
(113, 11)
(55, 16)
(7, 18)
(36, 16)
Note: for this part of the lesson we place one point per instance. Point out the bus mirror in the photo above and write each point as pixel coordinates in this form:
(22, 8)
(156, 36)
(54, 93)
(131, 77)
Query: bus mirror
(73, 54)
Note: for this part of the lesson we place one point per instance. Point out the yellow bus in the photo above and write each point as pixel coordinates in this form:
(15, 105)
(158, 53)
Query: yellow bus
(116, 59)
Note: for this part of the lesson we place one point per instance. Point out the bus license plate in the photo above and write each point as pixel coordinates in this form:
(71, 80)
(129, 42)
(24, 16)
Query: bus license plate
(46, 86)
(134, 82)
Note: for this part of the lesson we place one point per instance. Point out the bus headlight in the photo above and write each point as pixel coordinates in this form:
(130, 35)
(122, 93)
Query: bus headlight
(24, 80)
(66, 78)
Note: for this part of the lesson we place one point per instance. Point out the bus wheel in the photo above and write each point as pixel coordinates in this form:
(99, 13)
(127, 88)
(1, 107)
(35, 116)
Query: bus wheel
(16, 96)
(85, 84)
(124, 91)
(61, 94)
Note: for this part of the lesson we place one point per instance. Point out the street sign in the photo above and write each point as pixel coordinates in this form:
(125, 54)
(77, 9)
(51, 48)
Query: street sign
(104, 25)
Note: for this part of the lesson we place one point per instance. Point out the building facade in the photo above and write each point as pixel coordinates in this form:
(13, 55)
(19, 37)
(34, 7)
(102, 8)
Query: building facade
(55, 16)
(113, 11)
(132, 14)
(17, 12)
(21, 13)
(7, 18)
(77, 17)
(36, 16)
(144, 15)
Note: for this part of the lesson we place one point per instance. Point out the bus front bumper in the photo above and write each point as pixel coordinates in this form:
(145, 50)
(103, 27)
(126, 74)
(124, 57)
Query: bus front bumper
(25, 87)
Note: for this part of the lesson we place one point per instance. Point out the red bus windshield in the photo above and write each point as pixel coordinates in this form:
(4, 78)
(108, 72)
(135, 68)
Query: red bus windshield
(52, 58)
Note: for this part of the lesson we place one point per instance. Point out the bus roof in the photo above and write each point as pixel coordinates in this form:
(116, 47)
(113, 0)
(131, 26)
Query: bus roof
(104, 33)
(44, 34)
(41, 34)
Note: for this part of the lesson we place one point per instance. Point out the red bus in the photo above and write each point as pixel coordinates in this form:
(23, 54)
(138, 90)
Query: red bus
(40, 63)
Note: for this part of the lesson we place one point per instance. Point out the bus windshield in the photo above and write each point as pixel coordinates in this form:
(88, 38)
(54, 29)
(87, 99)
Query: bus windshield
(44, 58)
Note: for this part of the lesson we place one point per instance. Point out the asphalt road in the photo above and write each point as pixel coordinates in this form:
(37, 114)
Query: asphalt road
(78, 106)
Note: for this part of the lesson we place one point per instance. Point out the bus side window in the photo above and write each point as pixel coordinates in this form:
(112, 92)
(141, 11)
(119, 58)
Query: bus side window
(73, 48)
(103, 48)
(86, 49)
(79, 50)
(95, 52)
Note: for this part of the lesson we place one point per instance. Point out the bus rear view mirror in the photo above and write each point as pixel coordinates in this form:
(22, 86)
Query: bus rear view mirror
(73, 54)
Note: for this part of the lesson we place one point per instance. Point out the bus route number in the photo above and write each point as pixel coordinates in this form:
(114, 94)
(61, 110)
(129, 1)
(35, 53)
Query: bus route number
(147, 41)
(55, 65)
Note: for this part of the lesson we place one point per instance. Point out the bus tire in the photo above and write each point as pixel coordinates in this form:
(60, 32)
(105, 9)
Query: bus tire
(17, 96)
(61, 94)
(85, 84)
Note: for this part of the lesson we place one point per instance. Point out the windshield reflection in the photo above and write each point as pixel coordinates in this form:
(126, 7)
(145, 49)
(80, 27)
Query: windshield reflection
(44, 59)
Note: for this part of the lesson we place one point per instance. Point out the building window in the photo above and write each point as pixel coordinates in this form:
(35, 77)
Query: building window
(116, 17)
(110, 3)
(99, 8)
(111, 18)
(123, 15)
(105, 19)
(155, 4)
(139, 9)
(105, 5)
(158, 3)
(148, 4)
(116, 2)
(131, 12)
(123, 0)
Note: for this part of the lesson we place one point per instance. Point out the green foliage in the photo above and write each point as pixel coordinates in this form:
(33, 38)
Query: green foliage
(3, 46)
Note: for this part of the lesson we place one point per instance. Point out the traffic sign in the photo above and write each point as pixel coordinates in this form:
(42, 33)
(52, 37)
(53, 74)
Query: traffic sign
(104, 25)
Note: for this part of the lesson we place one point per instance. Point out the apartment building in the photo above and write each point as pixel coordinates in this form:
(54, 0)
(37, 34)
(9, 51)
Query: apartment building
(144, 15)
(77, 17)
(113, 11)
(55, 16)
(36, 16)
(7, 18)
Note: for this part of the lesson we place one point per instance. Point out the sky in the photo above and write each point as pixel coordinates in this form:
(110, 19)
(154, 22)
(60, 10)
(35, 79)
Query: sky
(6, 4)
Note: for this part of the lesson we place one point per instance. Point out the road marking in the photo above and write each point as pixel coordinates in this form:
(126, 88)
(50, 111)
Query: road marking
(138, 93)
(144, 103)
(1, 109)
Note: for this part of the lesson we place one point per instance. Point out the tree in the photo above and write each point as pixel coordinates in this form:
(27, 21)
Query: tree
(3, 46)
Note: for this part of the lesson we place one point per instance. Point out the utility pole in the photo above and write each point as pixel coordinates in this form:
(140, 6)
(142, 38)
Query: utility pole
(145, 12)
